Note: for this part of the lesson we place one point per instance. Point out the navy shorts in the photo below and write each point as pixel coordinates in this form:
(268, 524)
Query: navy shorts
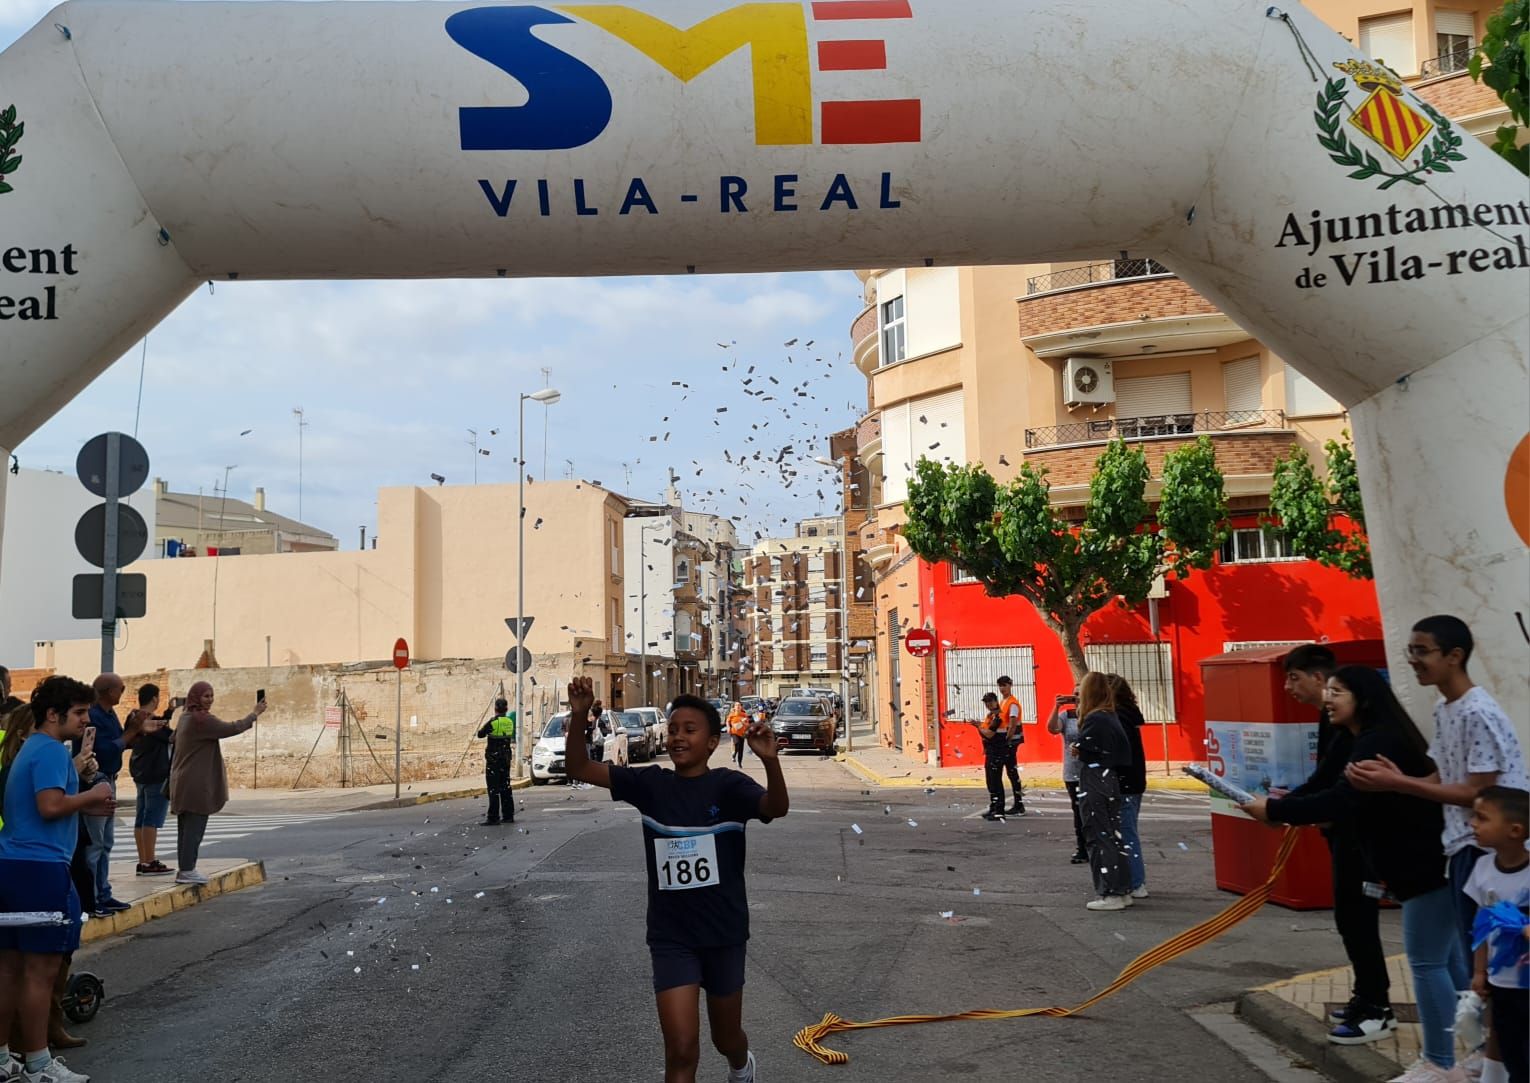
(39, 886)
(720, 971)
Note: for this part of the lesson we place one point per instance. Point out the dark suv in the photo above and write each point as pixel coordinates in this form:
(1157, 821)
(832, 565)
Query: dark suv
(806, 723)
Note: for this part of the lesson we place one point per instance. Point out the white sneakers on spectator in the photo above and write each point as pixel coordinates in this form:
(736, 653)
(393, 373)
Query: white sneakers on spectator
(11, 1069)
(1109, 902)
(1424, 1071)
(190, 876)
(1140, 893)
(56, 1072)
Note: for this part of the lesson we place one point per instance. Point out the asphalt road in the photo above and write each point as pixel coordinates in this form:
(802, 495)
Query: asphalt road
(414, 944)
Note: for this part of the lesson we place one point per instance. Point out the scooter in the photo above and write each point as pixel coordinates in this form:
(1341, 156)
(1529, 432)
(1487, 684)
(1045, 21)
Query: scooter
(83, 996)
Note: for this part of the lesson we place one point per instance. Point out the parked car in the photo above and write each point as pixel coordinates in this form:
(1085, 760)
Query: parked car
(805, 723)
(640, 739)
(547, 754)
(658, 726)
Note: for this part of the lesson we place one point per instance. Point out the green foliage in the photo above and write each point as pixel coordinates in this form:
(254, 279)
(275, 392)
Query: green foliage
(1505, 48)
(1304, 507)
(1012, 540)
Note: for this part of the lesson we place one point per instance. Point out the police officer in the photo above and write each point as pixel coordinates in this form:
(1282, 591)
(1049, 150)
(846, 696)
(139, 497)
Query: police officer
(500, 730)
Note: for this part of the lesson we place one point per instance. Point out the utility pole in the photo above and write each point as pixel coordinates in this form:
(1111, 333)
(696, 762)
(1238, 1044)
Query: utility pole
(301, 425)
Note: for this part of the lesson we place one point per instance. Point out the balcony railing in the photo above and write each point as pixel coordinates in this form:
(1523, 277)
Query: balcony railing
(1140, 428)
(1447, 63)
(1109, 271)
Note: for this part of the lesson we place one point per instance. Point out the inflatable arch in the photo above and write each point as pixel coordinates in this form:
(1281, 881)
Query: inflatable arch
(1336, 216)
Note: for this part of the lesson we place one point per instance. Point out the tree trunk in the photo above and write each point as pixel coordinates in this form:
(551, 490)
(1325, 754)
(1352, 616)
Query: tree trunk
(1074, 649)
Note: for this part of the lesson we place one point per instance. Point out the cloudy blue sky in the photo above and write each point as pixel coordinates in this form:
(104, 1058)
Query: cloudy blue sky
(392, 375)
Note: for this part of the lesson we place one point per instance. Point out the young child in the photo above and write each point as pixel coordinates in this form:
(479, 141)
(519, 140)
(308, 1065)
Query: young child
(1500, 821)
(693, 835)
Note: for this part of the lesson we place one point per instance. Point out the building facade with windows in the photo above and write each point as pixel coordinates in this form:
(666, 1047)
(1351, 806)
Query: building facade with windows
(795, 609)
(1048, 363)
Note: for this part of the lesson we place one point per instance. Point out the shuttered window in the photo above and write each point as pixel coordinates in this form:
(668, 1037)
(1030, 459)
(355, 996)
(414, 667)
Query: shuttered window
(1151, 396)
(927, 428)
(1389, 39)
(1305, 398)
(1147, 667)
(1243, 384)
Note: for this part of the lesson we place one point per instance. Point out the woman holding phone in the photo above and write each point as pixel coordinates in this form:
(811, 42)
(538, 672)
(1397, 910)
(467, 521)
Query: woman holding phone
(1064, 722)
(198, 779)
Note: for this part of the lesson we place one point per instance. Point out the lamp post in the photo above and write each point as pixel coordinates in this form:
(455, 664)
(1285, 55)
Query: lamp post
(546, 396)
(844, 607)
(643, 608)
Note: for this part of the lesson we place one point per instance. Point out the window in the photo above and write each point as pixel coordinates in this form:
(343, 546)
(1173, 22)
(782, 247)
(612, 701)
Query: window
(1147, 667)
(932, 428)
(682, 570)
(961, 575)
(1305, 398)
(812, 532)
(971, 671)
(815, 564)
(819, 657)
(775, 568)
(1154, 405)
(1453, 34)
(616, 547)
(894, 334)
(1242, 383)
(1256, 543)
(1389, 39)
(616, 625)
(818, 626)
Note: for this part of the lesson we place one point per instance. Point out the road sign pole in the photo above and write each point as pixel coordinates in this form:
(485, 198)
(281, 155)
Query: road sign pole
(109, 567)
(398, 735)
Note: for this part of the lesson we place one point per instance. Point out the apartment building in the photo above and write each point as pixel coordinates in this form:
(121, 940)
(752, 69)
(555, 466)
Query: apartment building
(795, 611)
(202, 524)
(1046, 364)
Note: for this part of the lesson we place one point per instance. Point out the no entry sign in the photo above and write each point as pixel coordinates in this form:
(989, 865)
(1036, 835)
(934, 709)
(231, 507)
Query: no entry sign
(401, 655)
(920, 642)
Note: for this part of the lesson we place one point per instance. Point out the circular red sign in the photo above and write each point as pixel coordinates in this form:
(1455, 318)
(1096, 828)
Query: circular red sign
(920, 642)
(400, 655)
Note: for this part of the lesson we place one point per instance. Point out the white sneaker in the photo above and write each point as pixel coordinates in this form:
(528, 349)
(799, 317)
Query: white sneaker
(55, 1072)
(1109, 902)
(1472, 1066)
(744, 1074)
(1424, 1071)
(190, 876)
(10, 1071)
(1140, 893)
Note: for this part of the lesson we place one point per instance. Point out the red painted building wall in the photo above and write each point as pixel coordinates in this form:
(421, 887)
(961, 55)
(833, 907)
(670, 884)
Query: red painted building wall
(1238, 602)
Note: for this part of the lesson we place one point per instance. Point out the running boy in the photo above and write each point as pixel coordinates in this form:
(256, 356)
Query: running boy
(1500, 820)
(42, 811)
(693, 835)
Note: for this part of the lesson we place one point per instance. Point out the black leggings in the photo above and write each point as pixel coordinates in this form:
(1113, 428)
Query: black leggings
(1357, 917)
(1510, 1009)
(738, 751)
(189, 829)
(1078, 819)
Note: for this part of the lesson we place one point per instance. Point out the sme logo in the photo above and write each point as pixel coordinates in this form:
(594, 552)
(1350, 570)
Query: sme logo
(570, 104)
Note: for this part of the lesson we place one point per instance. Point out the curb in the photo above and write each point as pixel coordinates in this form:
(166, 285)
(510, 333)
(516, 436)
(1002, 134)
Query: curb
(431, 798)
(1051, 782)
(1293, 1029)
(178, 897)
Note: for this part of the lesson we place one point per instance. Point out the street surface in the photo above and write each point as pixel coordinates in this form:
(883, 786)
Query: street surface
(415, 944)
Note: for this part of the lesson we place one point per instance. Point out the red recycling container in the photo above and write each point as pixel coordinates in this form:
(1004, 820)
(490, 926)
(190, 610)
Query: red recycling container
(1260, 738)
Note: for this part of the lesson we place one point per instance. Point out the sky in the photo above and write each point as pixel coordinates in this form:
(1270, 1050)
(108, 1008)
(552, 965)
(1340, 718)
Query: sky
(391, 376)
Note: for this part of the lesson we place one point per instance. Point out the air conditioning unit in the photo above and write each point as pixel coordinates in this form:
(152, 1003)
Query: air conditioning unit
(1088, 380)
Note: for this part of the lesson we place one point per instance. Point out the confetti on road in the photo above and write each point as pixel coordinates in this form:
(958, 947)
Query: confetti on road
(857, 829)
(913, 823)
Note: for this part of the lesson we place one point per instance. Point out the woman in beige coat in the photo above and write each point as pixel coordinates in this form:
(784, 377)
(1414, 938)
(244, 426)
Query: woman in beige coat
(198, 780)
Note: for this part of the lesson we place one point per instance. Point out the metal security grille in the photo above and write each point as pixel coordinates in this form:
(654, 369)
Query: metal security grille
(971, 671)
(1147, 667)
(1260, 644)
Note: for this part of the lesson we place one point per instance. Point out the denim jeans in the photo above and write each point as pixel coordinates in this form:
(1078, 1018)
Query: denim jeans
(1131, 805)
(1458, 870)
(98, 854)
(1434, 956)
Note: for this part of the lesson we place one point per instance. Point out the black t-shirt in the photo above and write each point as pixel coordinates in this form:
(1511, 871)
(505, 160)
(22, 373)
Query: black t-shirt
(696, 891)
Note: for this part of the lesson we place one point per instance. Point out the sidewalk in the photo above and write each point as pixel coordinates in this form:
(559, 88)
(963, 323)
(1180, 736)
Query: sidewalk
(1293, 1014)
(350, 799)
(158, 896)
(888, 767)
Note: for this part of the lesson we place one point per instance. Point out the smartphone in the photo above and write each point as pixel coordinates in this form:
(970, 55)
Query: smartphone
(88, 742)
(177, 703)
(260, 695)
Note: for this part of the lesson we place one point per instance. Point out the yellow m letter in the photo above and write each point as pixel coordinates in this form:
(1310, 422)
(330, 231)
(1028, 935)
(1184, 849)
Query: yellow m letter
(776, 34)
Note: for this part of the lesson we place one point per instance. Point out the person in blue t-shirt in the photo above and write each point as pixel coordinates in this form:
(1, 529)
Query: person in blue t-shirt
(693, 842)
(42, 806)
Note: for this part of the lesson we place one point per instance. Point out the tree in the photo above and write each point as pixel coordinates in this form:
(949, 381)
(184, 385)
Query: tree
(1012, 539)
(1504, 47)
(1304, 507)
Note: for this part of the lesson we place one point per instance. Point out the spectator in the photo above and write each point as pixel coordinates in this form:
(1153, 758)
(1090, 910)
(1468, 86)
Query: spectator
(1133, 781)
(110, 742)
(42, 802)
(198, 780)
(150, 738)
(8, 701)
(1104, 753)
(1064, 721)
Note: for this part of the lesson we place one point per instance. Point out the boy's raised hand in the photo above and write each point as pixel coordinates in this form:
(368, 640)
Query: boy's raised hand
(581, 695)
(762, 740)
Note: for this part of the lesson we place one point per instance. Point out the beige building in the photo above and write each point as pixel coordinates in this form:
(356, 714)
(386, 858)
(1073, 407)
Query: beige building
(195, 524)
(1046, 363)
(796, 635)
(442, 576)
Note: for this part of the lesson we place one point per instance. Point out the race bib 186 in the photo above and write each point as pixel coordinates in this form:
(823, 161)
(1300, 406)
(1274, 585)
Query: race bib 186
(685, 863)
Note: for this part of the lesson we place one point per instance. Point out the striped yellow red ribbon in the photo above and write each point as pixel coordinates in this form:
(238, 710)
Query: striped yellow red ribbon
(810, 1039)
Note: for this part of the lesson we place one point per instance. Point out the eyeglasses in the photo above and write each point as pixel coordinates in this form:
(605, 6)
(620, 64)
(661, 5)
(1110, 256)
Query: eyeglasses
(1416, 650)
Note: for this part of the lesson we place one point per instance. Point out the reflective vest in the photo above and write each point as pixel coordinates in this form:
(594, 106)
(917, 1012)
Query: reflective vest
(502, 727)
(1005, 714)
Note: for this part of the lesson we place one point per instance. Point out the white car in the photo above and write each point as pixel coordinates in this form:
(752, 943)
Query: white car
(658, 726)
(547, 753)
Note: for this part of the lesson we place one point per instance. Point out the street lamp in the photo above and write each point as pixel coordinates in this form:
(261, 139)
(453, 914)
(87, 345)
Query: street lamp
(844, 607)
(546, 396)
(643, 606)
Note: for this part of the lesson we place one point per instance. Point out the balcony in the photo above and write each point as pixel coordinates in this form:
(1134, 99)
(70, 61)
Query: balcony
(1248, 444)
(863, 334)
(1119, 309)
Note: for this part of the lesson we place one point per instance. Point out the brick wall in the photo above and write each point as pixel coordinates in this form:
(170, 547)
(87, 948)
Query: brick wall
(1237, 453)
(1119, 301)
(1458, 95)
(864, 325)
